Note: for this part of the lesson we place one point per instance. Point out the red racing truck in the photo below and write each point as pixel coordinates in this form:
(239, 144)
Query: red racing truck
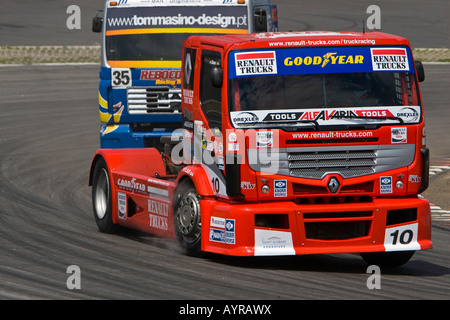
(292, 143)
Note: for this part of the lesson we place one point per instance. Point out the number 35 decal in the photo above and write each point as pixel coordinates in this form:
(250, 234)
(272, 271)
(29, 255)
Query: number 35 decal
(120, 78)
(401, 238)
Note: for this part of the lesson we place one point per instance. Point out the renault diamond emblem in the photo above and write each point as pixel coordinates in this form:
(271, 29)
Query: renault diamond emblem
(333, 185)
(187, 67)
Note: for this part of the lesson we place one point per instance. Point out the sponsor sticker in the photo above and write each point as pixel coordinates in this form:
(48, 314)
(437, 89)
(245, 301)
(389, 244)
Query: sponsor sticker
(244, 118)
(122, 205)
(331, 116)
(221, 163)
(255, 63)
(280, 188)
(389, 59)
(264, 139)
(414, 178)
(166, 15)
(272, 243)
(217, 222)
(409, 114)
(160, 74)
(188, 96)
(230, 232)
(217, 235)
(246, 185)
(222, 230)
(131, 185)
(158, 213)
(158, 222)
(385, 184)
(399, 135)
(158, 207)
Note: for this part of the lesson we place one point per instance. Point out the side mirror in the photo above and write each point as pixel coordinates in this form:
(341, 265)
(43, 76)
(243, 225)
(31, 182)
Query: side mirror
(260, 20)
(97, 22)
(216, 76)
(420, 71)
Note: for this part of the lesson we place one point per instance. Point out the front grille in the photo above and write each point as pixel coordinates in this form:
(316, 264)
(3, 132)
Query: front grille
(348, 163)
(342, 155)
(341, 230)
(144, 100)
(319, 173)
(317, 162)
(337, 225)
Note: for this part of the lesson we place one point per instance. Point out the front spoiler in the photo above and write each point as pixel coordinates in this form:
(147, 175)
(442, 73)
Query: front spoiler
(237, 229)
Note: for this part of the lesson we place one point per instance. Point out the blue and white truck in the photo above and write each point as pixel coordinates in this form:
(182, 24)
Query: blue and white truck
(140, 77)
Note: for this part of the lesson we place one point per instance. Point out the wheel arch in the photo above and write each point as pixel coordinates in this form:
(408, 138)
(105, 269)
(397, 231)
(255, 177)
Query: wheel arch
(146, 161)
(93, 163)
(198, 177)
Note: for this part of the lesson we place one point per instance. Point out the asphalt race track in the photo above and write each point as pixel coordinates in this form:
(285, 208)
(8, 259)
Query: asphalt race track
(48, 133)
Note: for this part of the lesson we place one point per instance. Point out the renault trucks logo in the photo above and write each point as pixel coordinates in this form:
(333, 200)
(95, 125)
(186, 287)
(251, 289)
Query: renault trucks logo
(389, 59)
(256, 63)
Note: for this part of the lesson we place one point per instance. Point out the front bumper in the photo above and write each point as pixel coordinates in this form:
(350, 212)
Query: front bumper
(286, 228)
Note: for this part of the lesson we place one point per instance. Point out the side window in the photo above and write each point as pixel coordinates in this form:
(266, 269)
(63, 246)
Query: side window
(210, 96)
(260, 20)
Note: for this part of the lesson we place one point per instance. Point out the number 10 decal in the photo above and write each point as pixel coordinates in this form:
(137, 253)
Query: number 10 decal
(120, 78)
(401, 238)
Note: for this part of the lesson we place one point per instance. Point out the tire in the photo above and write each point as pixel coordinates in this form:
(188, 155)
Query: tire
(387, 259)
(101, 198)
(187, 219)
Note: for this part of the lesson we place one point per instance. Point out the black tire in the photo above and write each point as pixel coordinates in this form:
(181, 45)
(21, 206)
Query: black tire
(387, 259)
(101, 198)
(187, 220)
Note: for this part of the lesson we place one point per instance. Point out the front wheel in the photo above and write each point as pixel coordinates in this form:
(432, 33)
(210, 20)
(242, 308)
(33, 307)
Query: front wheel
(101, 198)
(187, 220)
(387, 259)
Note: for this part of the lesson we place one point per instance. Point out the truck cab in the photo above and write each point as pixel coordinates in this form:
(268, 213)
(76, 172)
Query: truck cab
(326, 127)
(139, 90)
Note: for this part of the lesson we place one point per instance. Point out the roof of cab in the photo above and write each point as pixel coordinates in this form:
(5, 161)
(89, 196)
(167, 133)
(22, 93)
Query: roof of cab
(301, 39)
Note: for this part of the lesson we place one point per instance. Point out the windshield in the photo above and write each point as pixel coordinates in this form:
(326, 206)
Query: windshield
(157, 33)
(154, 46)
(323, 91)
(267, 86)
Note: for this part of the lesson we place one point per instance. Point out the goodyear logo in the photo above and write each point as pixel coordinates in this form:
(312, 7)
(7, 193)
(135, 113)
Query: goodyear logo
(330, 58)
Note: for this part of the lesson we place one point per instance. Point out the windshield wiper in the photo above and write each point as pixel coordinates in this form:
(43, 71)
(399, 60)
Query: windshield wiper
(371, 118)
(314, 122)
